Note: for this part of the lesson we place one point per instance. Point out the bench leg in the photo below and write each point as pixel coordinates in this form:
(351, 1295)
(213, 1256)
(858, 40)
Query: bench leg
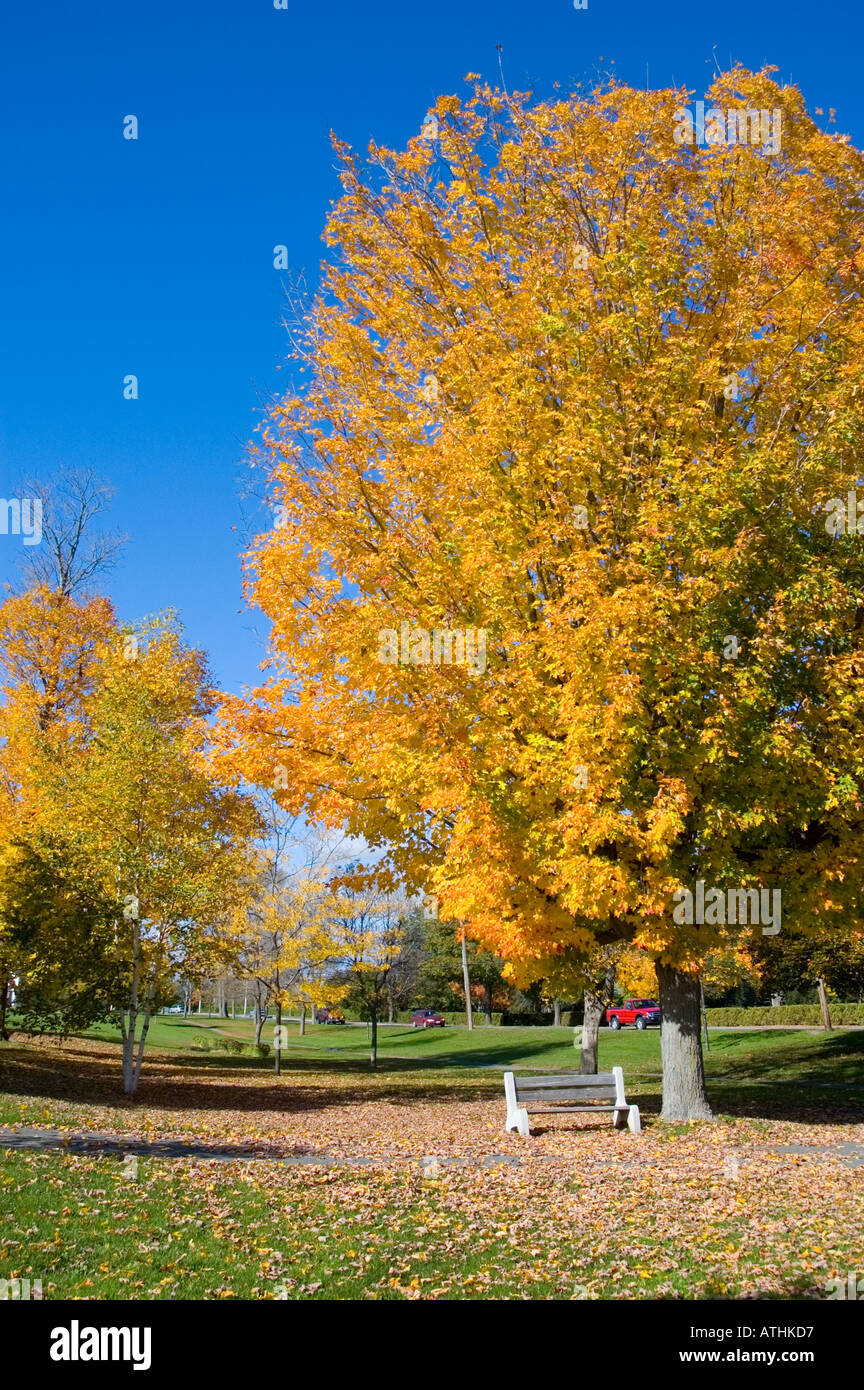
(634, 1123)
(517, 1118)
(620, 1117)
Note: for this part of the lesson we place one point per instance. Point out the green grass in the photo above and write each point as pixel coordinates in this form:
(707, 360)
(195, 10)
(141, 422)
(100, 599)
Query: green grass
(198, 1231)
(669, 1225)
(739, 1058)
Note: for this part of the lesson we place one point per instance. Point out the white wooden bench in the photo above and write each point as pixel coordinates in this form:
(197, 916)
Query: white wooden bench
(524, 1092)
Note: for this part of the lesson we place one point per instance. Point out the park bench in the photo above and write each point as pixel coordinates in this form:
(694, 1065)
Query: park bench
(533, 1092)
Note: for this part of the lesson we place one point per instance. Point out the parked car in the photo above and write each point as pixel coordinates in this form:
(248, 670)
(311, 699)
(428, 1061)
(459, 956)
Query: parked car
(329, 1016)
(641, 1012)
(427, 1018)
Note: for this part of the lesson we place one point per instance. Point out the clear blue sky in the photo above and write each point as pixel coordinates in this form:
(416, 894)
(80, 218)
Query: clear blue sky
(155, 257)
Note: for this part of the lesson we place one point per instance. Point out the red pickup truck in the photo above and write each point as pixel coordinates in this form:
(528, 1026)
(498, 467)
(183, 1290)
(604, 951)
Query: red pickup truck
(638, 1011)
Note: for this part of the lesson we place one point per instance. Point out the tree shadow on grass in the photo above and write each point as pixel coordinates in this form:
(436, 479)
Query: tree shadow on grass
(213, 1084)
(90, 1074)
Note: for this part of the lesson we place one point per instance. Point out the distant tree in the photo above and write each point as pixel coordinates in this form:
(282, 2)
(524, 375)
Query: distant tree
(370, 925)
(792, 962)
(71, 553)
(440, 976)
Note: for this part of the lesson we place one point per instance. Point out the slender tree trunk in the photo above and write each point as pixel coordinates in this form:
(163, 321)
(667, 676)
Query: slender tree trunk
(302, 1020)
(596, 1003)
(466, 980)
(684, 1096)
(823, 1004)
(390, 1006)
(590, 1033)
(259, 1024)
(556, 1015)
(373, 1019)
(487, 1003)
(4, 1000)
(139, 1059)
(129, 1033)
(277, 1041)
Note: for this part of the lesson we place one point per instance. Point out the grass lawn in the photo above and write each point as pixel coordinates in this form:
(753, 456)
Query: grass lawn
(578, 1211)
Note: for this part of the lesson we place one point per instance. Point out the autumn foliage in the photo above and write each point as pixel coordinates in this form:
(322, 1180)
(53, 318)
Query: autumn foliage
(588, 390)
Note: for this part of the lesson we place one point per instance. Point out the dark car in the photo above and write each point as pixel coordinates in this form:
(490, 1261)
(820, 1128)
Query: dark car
(427, 1018)
(329, 1016)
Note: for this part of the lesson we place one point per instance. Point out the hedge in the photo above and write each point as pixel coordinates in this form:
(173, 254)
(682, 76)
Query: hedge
(784, 1013)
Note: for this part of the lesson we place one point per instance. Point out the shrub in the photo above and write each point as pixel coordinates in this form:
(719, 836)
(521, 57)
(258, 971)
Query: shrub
(784, 1013)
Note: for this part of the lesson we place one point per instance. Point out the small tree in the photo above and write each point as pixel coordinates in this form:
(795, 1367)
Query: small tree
(371, 932)
(160, 836)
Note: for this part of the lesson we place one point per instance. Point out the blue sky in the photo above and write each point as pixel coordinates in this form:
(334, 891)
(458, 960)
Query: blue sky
(155, 256)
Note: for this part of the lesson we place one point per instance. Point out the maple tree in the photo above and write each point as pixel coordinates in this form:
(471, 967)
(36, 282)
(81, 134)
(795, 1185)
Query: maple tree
(50, 647)
(128, 797)
(590, 391)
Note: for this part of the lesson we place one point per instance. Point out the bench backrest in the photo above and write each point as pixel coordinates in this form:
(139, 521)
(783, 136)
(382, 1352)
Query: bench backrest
(570, 1086)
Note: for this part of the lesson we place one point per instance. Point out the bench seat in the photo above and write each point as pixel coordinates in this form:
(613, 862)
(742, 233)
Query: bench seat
(584, 1094)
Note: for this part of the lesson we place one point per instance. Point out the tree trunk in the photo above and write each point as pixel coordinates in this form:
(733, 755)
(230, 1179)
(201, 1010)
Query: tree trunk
(590, 1033)
(128, 1031)
(823, 1003)
(139, 1059)
(391, 1008)
(466, 981)
(556, 1016)
(128, 1063)
(277, 1041)
(487, 1004)
(302, 1020)
(373, 1019)
(259, 1024)
(4, 999)
(684, 1096)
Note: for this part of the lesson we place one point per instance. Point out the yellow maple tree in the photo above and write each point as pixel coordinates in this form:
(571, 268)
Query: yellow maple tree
(557, 621)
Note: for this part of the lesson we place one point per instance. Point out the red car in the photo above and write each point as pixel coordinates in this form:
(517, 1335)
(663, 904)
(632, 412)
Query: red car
(638, 1011)
(427, 1018)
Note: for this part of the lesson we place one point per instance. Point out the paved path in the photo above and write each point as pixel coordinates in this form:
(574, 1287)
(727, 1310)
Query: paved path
(23, 1137)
